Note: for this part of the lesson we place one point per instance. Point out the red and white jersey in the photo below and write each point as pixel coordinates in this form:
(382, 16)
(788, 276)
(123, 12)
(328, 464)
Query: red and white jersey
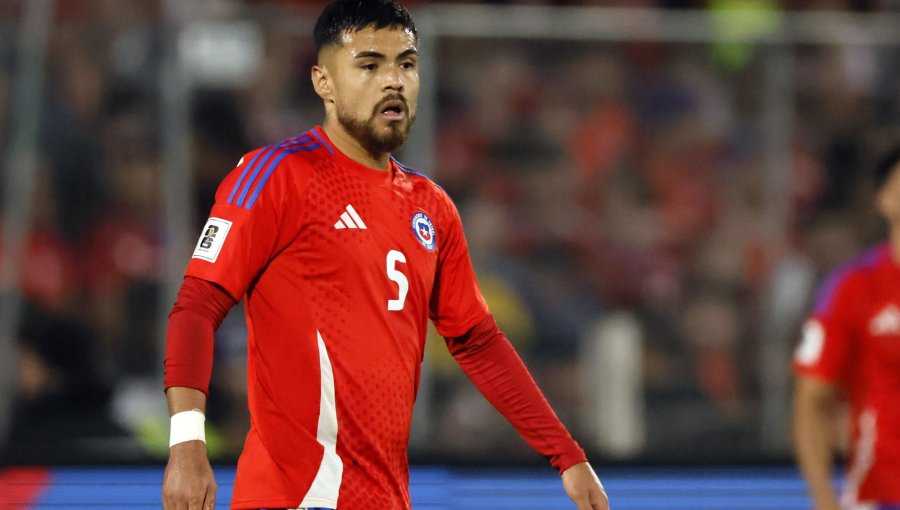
(852, 340)
(341, 266)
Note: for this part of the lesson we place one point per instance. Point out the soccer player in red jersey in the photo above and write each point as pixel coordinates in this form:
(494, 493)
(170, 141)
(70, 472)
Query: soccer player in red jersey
(851, 348)
(342, 255)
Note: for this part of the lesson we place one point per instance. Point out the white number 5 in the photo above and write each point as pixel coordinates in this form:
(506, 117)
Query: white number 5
(394, 257)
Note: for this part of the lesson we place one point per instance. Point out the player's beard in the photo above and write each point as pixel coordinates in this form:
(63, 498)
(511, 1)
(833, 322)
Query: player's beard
(376, 140)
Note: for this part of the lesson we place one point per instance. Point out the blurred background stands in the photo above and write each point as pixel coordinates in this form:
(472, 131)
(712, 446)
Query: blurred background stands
(651, 194)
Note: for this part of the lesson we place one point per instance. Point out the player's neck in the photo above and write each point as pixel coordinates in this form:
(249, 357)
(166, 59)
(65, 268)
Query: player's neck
(351, 147)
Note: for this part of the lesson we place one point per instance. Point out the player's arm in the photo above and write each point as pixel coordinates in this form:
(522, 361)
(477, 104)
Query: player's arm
(492, 364)
(490, 361)
(820, 363)
(201, 306)
(188, 482)
(248, 225)
(814, 418)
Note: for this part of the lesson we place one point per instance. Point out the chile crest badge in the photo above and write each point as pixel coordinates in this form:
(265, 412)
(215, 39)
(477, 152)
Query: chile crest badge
(424, 230)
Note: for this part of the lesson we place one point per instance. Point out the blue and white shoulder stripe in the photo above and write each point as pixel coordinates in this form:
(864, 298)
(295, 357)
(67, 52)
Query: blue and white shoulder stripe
(266, 161)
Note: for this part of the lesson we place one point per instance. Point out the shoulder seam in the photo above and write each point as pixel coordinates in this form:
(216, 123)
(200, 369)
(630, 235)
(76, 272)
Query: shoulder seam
(411, 171)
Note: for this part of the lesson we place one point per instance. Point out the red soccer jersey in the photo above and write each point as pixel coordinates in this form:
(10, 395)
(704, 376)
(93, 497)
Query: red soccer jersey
(852, 340)
(342, 266)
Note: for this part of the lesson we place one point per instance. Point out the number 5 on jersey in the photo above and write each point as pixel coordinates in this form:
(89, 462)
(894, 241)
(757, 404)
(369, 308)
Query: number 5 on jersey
(395, 257)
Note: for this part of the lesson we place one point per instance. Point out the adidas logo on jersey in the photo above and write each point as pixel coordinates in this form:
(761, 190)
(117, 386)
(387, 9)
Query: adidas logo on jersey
(350, 219)
(887, 322)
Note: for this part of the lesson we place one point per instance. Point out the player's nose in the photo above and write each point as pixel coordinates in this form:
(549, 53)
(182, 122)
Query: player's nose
(393, 80)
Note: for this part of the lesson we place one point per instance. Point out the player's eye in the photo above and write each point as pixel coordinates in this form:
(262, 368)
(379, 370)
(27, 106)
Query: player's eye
(369, 67)
(408, 65)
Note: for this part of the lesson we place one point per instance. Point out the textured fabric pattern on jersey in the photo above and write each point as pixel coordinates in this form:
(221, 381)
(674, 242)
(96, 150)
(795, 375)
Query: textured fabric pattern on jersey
(268, 159)
(852, 339)
(367, 292)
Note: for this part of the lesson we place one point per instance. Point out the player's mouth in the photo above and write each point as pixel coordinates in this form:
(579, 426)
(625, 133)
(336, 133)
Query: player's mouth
(394, 110)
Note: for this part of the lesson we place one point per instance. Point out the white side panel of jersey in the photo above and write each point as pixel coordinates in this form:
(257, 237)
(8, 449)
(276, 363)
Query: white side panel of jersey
(863, 461)
(324, 490)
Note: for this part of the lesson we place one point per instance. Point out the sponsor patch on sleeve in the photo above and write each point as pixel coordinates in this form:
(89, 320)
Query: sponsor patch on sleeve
(810, 349)
(212, 239)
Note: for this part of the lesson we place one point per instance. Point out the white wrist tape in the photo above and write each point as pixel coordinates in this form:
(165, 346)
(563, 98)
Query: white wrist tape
(187, 426)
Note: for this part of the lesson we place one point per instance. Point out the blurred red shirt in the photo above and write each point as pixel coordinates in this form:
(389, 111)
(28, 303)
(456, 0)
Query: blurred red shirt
(852, 340)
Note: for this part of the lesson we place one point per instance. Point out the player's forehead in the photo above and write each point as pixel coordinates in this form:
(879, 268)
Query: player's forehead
(388, 41)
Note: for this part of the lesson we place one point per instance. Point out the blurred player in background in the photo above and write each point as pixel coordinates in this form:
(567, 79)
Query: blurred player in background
(342, 255)
(851, 348)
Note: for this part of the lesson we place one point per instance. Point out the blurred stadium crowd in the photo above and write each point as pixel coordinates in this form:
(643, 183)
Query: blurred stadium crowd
(593, 179)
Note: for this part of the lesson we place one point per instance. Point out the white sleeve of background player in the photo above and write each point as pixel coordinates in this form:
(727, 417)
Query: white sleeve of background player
(829, 332)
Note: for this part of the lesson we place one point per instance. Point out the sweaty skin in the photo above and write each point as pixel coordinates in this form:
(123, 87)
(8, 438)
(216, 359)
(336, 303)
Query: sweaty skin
(354, 80)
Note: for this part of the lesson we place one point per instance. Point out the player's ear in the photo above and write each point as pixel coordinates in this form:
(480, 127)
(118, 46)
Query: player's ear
(322, 82)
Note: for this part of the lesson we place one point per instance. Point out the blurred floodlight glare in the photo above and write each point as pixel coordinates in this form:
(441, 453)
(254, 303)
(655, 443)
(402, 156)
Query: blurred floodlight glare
(221, 53)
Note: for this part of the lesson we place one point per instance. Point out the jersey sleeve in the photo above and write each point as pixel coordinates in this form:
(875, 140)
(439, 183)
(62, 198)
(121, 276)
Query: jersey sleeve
(491, 363)
(200, 308)
(828, 334)
(456, 301)
(252, 220)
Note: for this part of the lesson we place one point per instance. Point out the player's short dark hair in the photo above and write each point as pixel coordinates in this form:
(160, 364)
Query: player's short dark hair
(352, 15)
(886, 166)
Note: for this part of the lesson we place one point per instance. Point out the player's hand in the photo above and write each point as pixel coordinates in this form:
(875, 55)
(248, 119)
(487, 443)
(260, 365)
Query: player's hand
(585, 489)
(827, 504)
(188, 483)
